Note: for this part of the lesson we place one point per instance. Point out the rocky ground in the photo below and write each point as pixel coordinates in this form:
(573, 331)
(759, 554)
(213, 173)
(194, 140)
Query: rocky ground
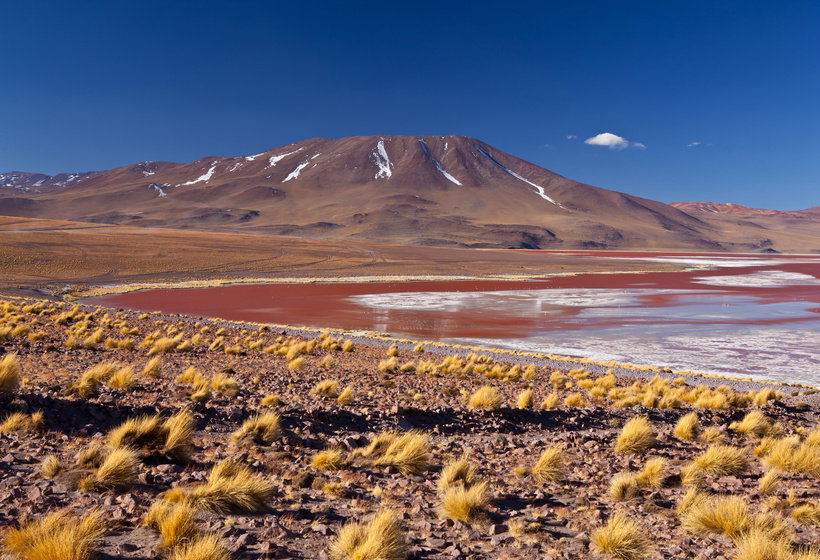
(55, 344)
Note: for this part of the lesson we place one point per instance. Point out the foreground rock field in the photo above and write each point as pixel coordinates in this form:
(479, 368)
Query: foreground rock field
(248, 443)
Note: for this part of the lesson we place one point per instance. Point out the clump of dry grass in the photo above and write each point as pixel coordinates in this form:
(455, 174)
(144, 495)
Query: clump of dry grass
(623, 486)
(328, 460)
(757, 425)
(50, 466)
(204, 547)
(379, 539)
(622, 538)
(575, 400)
(550, 466)
(686, 428)
(57, 536)
(728, 515)
(327, 388)
(123, 379)
(409, 452)
(90, 381)
(118, 469)
(768, 482)
(345, 398)
(525, 399)
(261, 428)
(462, 503)
(485, 398)
(224, 383)
(22, 423)
(652, 474)
(176, 523)
(791, 455)
(152, 368)
(457, 472)
(170, 438)
(636, 436)
(9, 373)
(550, 402)
(722, 460)
(230, 487)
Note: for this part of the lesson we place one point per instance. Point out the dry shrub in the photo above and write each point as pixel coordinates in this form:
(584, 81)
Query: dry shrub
(807, 514)
(22, 423)
(712, 435)
(118, 469)
(525, 399)
(204, 547)
(50, 466)
(231, 487)
(550, 402)
(757, 425)
(462, 503)
(393, 350)
(388, 366)
(57, 536)
(652, 474)
(728, 515)
(170, 438)
(457, 472)
(575, 400)
(550, 466)
(623, 486)
(165, 345)
(764, 396)
(637, 436)
(297, 364)
(327, 362)
(409, 453)
(345, 398)
(9, 373)
(485, 398)
(789, 454)
(328, 460)
(379, 539)
(686, 428)
(123, 379)
(759, 545)
(176, 523)
(224, 383)
(768, 482)
(151, 369)
(328, 388)
(272, 400)
(261, 429)
(622, 538)
(722, 460)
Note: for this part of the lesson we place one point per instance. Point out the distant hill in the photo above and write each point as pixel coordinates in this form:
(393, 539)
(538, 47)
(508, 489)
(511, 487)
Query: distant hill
(427, 190)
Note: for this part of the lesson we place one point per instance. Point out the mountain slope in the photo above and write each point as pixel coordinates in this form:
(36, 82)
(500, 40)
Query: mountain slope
(429, 190)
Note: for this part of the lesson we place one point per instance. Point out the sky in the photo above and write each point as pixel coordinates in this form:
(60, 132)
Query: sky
(679, 100)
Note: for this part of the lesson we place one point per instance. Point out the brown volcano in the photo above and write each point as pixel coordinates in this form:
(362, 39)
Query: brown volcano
(427, 190)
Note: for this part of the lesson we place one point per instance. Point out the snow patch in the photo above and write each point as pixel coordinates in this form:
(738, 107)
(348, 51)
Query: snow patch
(438, 165)
(540, 190)
(295, 173)
(273, 160)
(234, 167)
(253, 157)
(206, 177)
(159, 188)
(380, 155)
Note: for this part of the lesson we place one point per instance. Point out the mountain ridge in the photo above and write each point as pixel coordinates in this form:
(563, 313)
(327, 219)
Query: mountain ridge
(424, 190)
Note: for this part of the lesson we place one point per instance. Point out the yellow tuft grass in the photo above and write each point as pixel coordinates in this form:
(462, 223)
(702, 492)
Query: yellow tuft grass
(768, 482)
(575, 400)
(550, 466)
(204, 547)
(57, 536)
(152, 368)
(465, 504)
(459, 472)
(379, 539)
(550, 402)
(224, 383)
(9, 373)
(153, 435)
(621, 538)
(525, 399)
(652, 474)
(485, 398)
(50, 466)
(328, 388)
(118, 469)
(636, 436)
(409, 453)
(345, 398)
(686, 428)
(176, 523)
(261, 428)
(789, 454)
(757, 425)
(22, 423)
(623, 486)
(722, 460)
(230, 487)
(328, 460)
(123, 379)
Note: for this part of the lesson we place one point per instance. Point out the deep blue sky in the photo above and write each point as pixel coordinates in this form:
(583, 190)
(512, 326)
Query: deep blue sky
(96, 85)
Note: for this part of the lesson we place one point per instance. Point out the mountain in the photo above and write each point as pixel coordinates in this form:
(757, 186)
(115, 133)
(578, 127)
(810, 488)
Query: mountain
(428, 190)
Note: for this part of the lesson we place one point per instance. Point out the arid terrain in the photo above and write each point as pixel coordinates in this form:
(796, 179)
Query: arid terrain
(259, 444)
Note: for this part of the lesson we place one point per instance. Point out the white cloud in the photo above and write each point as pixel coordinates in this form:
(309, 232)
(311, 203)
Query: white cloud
(612, 141)
(693, 144)
(571, 137)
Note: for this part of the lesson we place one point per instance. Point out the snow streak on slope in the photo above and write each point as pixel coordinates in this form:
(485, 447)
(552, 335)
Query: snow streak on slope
(380, 155)
(253, 157)
(206, 177)
(540, 192)
(295, 173)
(438, 165)
(272, 161)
